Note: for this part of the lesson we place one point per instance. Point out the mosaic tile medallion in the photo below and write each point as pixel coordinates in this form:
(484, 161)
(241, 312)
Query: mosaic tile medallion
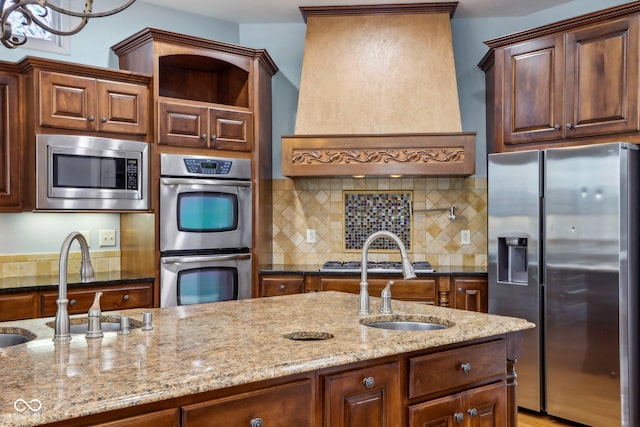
(366, 212)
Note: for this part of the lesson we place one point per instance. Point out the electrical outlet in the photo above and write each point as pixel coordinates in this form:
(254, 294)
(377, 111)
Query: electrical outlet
(87, 236)
(465, 237)
(107, 238)
(311, 235)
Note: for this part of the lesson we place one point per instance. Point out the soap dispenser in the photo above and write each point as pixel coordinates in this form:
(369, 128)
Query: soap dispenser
(95, 314)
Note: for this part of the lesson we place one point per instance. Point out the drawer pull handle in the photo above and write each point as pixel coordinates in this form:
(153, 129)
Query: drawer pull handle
(466, 367)
(91, 118)
(283, 287)
(126, 297)
(256, 422)
(458, 417)
(204, 136)
(369, 382)
(72, 302)
(103, 120)
(473, 412)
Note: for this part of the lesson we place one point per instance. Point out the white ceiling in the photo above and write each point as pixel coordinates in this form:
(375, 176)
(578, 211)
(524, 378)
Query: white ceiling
(286, 11)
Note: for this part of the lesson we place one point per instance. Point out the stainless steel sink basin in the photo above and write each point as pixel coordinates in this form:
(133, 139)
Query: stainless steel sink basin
(407, 323)
(14, 336)
(107, 324)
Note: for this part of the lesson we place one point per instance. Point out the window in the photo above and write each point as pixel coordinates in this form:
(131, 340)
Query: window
(38, 38)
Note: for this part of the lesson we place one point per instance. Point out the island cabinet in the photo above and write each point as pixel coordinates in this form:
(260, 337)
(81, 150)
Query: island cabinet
(10, 139)
(72, 97)
(570, 83)
(18, 306)
(422, 290)
(275, 285)
(166, 418)
(363, 397)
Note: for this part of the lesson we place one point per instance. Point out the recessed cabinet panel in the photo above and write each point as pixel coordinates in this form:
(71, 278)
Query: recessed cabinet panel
(123, 107)
(183, 125)
(10, 145)
(231, 130)
(67, 101)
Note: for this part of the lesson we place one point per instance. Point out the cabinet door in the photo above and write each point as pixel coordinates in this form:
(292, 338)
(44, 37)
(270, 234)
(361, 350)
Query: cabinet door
(419, 290)
(113, 298)
(183, 125)
(602, 79)
(67, 101)
(281, 285)
(18, 306)
(533, 93)
(10, 145)
(231, 130)
(364, 397)
(122, 107)
(486, 406)
(471, 293)
(443, 412)
(281, 406)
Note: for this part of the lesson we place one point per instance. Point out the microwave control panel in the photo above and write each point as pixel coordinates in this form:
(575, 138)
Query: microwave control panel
(208, 166)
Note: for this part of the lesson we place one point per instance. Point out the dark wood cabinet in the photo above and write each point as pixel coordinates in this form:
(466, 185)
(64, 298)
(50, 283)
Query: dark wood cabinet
(281, 285)
(167, 418)
(11, 151)
(279, 406)
(363, 397)
(18, 306)
(422, 290)
(471, 293)
(569, 83)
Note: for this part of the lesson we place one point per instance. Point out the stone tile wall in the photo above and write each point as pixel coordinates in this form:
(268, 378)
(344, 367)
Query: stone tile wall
(319, 204)
(27, 265)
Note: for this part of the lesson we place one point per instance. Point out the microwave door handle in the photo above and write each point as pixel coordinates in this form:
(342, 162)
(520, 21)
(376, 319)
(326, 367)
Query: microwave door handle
(187, 181)
(206, 258)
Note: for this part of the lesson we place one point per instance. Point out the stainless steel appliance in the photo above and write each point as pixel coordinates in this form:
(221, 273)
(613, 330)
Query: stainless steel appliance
(205, 203)
(205, 229)
(564, 254)
(90, 173)
(374, 267)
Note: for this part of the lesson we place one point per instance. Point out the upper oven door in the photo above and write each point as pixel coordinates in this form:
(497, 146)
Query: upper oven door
(204, 214)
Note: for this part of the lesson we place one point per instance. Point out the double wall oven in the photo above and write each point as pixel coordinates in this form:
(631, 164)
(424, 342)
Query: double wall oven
(205, 229)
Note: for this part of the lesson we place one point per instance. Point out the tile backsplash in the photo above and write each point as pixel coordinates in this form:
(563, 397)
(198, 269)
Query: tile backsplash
(47, 264)
(328, 204)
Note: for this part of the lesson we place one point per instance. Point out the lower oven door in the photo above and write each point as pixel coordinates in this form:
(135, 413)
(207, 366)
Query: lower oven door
(197, 279)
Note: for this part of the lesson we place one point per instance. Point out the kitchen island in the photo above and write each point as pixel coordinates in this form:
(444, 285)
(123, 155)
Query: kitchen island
(303, 360)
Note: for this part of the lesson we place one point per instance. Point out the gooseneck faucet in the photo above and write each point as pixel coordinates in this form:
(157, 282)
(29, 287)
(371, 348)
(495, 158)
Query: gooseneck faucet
(407, 268)
(62, 323)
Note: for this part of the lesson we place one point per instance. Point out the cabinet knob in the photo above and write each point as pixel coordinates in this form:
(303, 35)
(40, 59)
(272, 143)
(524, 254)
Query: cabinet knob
(569, 125)
(91, 118)
(126, 297)
(256, 422)
(72, 302)
(214, 137)
(103, 120)
(204, 136)
(369, 382)
(282, 287)
(473, 412)
(466, 367)
(458, 417)
(556, 126)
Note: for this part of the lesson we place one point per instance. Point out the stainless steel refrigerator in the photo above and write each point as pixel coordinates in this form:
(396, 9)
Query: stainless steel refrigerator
(563, 252)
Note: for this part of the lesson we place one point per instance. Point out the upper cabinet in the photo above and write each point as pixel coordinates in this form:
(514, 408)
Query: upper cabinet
(75, 98)
(10, 139)
(570, 83)
(209, 95)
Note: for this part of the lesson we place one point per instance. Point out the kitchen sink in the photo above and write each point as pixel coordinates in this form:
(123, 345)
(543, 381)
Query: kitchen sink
(407, 323)
(107, 324)
(14, 336)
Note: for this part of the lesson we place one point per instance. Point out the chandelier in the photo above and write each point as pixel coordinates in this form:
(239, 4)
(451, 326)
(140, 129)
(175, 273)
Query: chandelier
(35, 12)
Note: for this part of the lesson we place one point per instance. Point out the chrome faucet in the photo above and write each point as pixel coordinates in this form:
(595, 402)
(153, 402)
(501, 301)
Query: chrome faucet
(62, 323)
(407, 268)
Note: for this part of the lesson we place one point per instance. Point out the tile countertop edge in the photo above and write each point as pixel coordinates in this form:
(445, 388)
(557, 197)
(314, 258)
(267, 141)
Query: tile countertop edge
(183, 339)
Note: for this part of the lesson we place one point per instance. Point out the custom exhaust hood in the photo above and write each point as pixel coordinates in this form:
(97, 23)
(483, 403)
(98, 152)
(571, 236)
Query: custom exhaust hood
(378, 95)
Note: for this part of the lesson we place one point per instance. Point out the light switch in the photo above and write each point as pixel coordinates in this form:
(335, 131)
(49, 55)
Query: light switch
(311, 235)
(465, 237)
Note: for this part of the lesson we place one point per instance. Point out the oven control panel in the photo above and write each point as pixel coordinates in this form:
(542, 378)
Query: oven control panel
(208, 166)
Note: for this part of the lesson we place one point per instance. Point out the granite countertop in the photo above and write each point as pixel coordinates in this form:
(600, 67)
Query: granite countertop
(313, 269)
(40, 283)
(205, 347)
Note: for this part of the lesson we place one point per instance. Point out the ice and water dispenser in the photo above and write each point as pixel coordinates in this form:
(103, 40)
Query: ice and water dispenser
(512, 260)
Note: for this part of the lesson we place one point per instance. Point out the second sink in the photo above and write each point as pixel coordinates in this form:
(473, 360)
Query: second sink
(14, 336)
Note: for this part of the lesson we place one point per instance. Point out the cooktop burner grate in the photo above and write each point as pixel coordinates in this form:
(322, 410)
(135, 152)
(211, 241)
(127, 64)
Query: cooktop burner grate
(375, 266)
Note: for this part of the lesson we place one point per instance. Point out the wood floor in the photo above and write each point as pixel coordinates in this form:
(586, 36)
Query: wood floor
(526, 419)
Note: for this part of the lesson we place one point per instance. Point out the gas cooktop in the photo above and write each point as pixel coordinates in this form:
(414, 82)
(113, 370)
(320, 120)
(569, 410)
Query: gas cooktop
(374, 267)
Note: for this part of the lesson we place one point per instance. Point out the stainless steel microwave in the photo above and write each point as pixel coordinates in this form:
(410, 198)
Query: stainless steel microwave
(91, 173)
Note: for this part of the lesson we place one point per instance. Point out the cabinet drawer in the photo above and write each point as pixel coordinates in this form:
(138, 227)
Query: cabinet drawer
(168, 418)
(17, 306)
(273, 286)
(445, 370)
(133, 296)
(281, 406)
(419, 290)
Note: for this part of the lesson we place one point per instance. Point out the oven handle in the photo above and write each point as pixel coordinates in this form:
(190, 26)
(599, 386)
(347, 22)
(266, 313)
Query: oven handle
(206, 258)
(188, 181)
